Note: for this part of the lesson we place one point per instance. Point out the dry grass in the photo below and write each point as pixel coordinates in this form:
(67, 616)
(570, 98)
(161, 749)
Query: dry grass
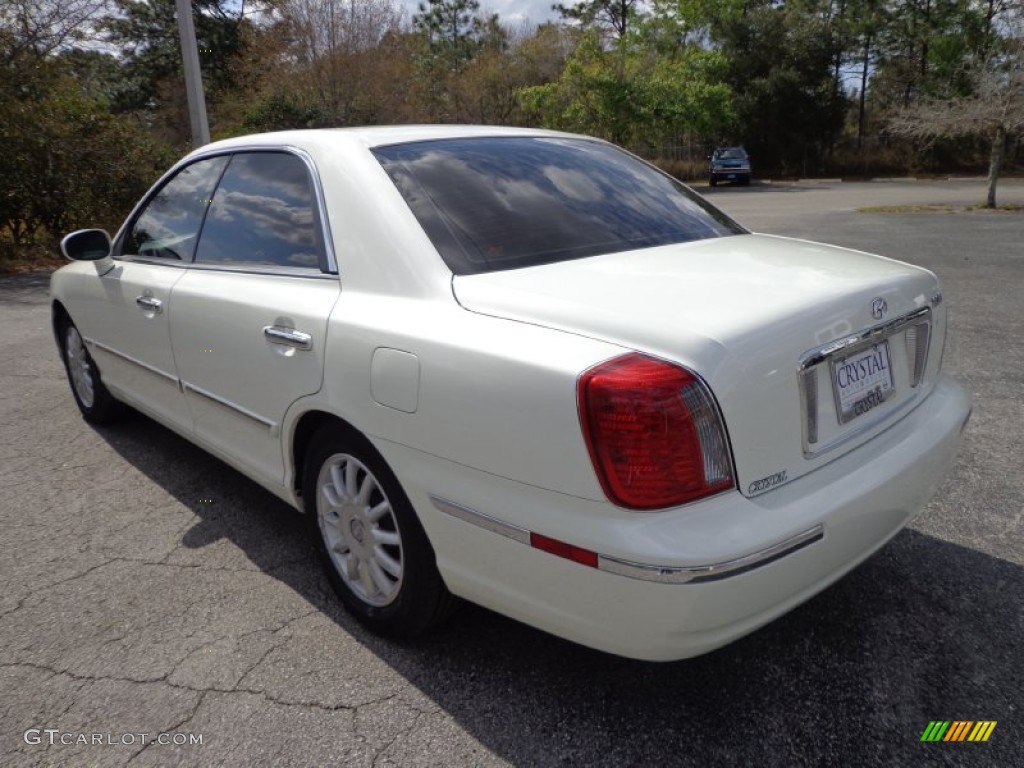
(941, 208)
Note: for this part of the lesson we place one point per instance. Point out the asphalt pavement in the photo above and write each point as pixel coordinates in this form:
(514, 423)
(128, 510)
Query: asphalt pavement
(146, 588)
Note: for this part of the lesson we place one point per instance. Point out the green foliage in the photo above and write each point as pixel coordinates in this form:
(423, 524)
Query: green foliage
(456, 32)
(68, 161)
(85, 132)
(631, 96)
(788, 105)
(617, 16)
(279, 113)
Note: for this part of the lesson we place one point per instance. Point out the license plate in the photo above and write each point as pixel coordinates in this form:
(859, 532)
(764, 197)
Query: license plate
(731, 176)
(862, 381)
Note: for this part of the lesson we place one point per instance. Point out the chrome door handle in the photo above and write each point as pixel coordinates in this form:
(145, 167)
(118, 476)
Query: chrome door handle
(289, 337)
(149, 304)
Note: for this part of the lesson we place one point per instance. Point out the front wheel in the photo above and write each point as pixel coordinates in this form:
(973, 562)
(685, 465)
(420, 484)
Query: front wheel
(95, 402)
(375, 552)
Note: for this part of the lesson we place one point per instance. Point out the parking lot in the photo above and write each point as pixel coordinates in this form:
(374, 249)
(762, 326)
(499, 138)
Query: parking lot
(146, 588)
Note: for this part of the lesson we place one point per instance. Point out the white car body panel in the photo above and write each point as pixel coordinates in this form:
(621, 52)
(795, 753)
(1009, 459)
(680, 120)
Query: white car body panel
(741, 311)
(132, 345)
(861, 500)
(237, 382)
(467, 388)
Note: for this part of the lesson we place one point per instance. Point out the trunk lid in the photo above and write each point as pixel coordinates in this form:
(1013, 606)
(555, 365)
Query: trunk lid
(762, 319)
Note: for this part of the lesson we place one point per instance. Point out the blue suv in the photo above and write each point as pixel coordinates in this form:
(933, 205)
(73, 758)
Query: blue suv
(730, 164)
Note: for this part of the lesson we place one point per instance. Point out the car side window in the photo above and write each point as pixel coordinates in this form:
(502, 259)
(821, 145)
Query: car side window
(168, 225)
(263, 213)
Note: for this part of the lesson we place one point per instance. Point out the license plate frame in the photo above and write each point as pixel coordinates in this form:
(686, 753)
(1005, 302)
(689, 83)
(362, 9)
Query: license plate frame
(862, 380)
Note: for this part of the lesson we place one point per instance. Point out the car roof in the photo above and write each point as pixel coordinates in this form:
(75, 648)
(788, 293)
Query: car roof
(373, 136)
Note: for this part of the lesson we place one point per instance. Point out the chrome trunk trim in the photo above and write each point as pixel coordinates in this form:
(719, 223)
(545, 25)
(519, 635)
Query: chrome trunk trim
(865, 338)
(807, 370)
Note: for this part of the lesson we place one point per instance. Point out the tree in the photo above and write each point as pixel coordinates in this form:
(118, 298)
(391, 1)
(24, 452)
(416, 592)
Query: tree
(454, 35)
(336, 45)
(146, 32)
(42, 27)
(780, 66)
(993, 110)
(633, 95)
(455, 30)
(67, 161)
(616, 16)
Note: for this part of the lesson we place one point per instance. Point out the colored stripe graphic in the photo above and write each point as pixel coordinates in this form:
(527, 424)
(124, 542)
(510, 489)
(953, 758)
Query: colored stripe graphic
(958, 730)
(982, 730)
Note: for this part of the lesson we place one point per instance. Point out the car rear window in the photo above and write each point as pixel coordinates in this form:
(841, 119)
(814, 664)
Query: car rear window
(502, 203)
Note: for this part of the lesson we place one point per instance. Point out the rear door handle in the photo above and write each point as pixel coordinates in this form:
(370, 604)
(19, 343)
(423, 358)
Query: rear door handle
(149, 304)
(288, 337)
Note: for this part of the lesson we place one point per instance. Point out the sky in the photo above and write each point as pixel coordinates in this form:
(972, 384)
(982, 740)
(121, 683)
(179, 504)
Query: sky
(512, 12)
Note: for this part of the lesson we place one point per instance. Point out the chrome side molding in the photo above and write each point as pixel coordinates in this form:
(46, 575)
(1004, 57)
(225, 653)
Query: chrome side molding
(662, 574)
(130, 359)
(230, 405)
(696, 574)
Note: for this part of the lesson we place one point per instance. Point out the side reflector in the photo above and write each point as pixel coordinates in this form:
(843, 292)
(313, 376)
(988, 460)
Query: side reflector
(561, 549)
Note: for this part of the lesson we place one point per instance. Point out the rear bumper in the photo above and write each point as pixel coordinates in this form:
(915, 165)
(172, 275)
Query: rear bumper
(857, 503)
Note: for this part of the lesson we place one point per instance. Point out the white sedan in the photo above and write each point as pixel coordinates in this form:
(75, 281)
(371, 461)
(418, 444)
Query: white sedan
(524, 368)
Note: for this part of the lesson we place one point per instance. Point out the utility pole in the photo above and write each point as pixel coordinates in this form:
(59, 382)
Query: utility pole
(193, 75)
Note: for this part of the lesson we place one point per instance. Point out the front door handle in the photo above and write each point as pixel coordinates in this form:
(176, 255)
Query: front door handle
(149, 304)
(289, 337)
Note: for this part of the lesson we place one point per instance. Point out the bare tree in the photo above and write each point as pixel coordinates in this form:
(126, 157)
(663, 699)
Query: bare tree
(334, 41)
(994, 110)
(43, 26)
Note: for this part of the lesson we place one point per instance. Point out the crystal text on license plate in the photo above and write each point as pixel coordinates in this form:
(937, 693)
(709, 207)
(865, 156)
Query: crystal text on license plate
(862, 381)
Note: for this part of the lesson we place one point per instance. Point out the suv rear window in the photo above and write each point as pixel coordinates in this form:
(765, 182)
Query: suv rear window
(502, 203)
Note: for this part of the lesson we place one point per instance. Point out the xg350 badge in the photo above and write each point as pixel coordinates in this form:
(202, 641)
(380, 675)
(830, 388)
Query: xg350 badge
(879, 308)
(758, 486)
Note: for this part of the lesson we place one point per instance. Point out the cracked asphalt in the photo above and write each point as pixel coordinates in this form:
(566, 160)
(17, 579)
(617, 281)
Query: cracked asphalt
(146, 588)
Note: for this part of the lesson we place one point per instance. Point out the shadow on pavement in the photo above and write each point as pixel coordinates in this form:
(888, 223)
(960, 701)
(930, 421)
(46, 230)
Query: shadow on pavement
(924, 630)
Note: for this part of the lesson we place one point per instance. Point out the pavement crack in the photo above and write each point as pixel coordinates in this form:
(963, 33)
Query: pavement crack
(18, 607)
(173, 728)
(383, 751)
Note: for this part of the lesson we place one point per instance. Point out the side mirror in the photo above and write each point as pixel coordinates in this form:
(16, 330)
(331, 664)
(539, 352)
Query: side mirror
(86, 245)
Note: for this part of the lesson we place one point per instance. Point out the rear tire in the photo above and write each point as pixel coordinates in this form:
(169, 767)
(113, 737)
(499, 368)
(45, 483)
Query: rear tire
(376, 555)
(93, 399)
(713, 182)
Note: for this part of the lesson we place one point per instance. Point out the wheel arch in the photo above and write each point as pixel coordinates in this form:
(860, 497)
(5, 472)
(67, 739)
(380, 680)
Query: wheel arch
(58, 315)
(306, 426)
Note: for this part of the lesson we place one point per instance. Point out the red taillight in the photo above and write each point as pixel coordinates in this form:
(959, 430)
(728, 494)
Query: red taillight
(653, 432)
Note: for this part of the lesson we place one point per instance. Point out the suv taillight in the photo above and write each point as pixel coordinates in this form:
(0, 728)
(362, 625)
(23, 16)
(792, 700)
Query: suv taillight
(653, 432)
